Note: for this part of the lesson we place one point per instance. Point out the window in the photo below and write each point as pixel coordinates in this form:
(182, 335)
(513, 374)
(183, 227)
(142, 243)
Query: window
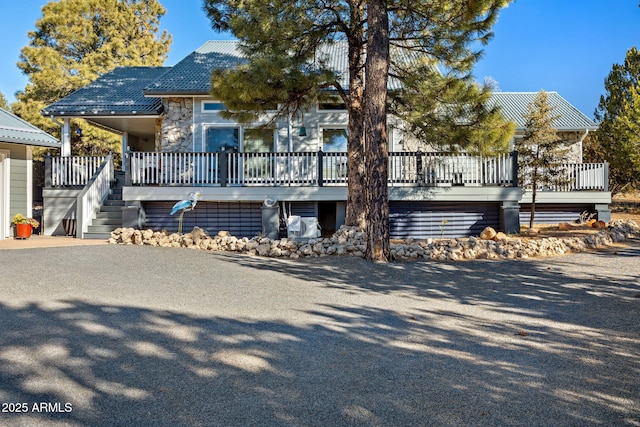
(258, 140)
(334, 140)
(208, 106)
(222, 139)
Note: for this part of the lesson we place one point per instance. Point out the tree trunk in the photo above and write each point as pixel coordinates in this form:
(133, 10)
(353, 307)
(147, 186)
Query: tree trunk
(376, 151)
(534, 192)
(355, 215)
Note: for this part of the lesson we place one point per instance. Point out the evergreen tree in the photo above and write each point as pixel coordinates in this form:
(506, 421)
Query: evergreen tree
(617, 137)
(285, 37)
(4, 104)
(541, 152)
(75, 42)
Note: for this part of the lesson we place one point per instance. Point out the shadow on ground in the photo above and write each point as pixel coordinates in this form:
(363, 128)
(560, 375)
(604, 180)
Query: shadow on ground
(491, 343)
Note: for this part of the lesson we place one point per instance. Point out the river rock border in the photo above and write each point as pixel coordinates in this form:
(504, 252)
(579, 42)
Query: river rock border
(349, 241)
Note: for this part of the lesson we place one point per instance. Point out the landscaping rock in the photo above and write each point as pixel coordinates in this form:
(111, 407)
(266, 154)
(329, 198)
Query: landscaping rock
(348, 241)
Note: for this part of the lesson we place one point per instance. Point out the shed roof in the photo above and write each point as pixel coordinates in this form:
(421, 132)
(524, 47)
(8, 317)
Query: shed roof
(15, 130)
(117, 93)
(514, 105)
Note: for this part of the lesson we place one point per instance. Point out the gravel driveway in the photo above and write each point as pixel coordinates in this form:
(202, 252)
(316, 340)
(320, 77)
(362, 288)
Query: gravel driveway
(124, 336)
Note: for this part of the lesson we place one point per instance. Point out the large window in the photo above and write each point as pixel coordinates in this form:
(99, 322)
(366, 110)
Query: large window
(258, 140)
(222, 139)
(334, 140)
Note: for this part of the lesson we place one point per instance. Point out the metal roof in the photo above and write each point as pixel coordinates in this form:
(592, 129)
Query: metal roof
(515, 104)
(117, 93)
(15, 130)
(192, 75)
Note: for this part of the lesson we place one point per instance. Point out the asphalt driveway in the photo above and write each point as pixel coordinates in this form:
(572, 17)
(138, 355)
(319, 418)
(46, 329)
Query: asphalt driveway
(121, 335)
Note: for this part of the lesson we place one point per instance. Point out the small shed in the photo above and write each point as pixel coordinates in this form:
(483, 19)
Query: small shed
(17, 140)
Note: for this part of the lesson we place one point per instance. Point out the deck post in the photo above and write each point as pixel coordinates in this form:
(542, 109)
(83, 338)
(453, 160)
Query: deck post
(605, 184)
(47, 172)
(515, 168)
(320, 168)
(223, 168)
(126, 165)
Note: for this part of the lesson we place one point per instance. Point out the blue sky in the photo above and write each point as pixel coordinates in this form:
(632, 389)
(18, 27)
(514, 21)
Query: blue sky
(568, 46)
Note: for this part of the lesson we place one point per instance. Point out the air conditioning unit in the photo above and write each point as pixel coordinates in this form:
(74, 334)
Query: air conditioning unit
(302, 227)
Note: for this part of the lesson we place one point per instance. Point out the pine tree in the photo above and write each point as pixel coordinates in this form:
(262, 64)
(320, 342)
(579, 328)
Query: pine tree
(421, 35)
(616, 138)
(4, 104)
(75, 42)
(540, 152)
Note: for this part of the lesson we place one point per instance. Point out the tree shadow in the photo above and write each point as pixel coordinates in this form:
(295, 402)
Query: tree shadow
(540, 342)
(357, 365)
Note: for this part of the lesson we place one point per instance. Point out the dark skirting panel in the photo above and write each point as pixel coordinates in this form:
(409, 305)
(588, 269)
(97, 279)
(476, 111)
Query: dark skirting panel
(421, 220)
(239, 219)
(553, 213)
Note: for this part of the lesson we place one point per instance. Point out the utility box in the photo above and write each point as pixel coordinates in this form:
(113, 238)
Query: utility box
(302, 227)
(271, 222)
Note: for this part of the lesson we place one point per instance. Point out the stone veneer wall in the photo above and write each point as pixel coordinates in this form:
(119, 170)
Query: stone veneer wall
(177, 125)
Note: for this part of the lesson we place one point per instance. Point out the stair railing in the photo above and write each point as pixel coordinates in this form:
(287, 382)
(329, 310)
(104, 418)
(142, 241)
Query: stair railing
(93, 195)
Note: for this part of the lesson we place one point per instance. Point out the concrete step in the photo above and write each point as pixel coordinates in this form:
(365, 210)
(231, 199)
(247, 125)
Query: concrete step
(107, 208)
(102, 228)
(97, 235)
(117, 222)
(109, 214)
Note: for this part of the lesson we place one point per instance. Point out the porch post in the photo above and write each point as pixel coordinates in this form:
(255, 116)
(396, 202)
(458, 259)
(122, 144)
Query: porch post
(125, 149)
(126, 167)
(65, 150)
(515, 168)
(47, 172)
(320, 168)
(223, 168)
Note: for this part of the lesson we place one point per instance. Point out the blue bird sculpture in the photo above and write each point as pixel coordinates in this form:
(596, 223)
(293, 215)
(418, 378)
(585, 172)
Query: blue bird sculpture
(185, 205)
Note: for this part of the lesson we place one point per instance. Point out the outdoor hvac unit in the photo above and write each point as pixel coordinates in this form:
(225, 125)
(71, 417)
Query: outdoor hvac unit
(302, 227)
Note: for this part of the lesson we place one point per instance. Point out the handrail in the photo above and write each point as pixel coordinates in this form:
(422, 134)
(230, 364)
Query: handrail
(330, 169)
(578, 177)
(74, 170)
(94, 193)
(313, 169)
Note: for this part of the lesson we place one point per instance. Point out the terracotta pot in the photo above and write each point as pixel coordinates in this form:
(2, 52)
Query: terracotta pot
(23, 231)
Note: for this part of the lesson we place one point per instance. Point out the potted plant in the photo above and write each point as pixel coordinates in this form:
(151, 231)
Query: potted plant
(23, 226)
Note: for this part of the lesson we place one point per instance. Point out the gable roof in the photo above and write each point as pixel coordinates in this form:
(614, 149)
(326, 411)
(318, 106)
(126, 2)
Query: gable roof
(514, 105)
(15, 130)
(117, 93)
(192, 75)
(131, 91)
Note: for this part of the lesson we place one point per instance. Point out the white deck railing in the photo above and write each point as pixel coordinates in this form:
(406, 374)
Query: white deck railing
(93, 195)
(313, 168)
(579, 177)
(75, 170)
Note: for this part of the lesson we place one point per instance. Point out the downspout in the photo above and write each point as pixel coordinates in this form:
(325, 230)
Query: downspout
(65, 149)
(586, 132)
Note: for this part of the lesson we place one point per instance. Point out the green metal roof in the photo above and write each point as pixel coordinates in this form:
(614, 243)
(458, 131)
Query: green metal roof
(15, 130)
(117, 93)
(515, 104)
(192, 75)
(128, 91)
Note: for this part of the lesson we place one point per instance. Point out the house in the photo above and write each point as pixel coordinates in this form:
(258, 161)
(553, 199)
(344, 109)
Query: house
(176, 142)
(17, 139)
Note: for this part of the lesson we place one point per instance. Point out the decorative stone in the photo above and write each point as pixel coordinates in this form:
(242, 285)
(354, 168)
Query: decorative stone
(488, 234)
(564, 226)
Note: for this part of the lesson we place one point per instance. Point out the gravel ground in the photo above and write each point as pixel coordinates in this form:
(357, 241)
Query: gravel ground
(122, 336)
